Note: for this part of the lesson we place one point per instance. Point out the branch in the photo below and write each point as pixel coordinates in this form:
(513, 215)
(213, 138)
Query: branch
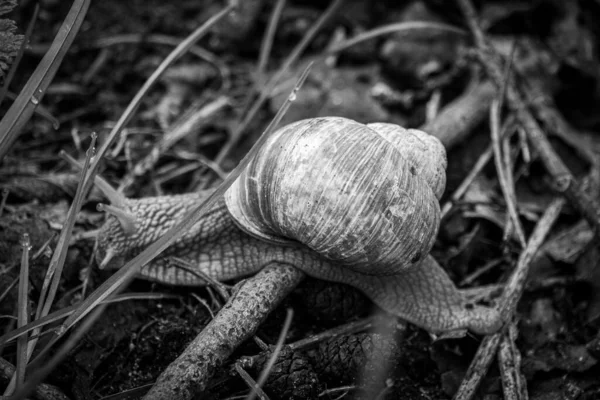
(237, 321)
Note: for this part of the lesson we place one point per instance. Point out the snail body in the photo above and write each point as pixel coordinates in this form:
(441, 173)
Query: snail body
(342, 201)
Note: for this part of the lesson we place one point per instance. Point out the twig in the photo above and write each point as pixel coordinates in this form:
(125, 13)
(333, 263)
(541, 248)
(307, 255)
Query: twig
(255, 299)
(392, 28)
(508, 301)
(564, 180)
(481, 162)
(509, 361)
(136, 38)
(460, 191)
(222, 289)
(541, 100)
(275, 353)
(508, 160)
(351, 327)
(344, 389)
(488, 266)
(506, 183)
(250, 382)
(180, 130)
(267, 42)
(458, 119)
(479, 367)
(515, 286)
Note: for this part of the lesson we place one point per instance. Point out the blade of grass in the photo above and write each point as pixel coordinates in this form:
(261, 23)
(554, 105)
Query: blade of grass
(40, 111)
(134, 393)
(5, 293)
(30, 96)
(17, 60)
(40, 374)
(23, 314)
(250, 382)
(57, 262)
(99, 181)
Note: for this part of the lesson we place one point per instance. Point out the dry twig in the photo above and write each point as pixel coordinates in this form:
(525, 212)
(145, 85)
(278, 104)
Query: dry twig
(179, 131)
(509, 361)
(564, 180)
(255, 299)
(504, 172)
(508, 302)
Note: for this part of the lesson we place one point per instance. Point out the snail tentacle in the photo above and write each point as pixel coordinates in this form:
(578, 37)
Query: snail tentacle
(125, 218)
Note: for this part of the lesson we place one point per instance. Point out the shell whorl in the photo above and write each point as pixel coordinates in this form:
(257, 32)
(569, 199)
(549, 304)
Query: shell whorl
(422, 151)
(347, 191)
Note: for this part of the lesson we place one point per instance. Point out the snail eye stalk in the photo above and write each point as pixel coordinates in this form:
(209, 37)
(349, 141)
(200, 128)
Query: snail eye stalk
(125, 217)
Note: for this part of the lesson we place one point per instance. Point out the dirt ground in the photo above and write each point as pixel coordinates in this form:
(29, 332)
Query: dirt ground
(403, 78)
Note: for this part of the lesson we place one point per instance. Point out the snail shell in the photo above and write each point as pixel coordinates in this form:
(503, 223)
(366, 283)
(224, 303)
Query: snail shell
(423, 152)
(360, 195)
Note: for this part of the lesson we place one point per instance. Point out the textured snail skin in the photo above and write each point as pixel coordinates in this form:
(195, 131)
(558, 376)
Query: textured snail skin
(423, 294)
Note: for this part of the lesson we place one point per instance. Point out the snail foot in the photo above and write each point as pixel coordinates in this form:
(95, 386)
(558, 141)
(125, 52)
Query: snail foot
(427, 297)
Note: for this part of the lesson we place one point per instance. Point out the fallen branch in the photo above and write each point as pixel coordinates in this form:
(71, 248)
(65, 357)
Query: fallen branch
(459, 118)
(237, 321)
(508, 303)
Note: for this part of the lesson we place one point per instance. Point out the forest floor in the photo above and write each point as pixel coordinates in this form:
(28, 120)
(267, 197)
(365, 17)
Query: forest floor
(406, 78)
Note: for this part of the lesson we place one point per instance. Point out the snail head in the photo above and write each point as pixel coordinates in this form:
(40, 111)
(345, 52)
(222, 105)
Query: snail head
(136, 223)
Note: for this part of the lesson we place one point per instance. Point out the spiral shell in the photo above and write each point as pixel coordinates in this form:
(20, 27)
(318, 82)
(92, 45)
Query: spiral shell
(423, 152)
(357, 194)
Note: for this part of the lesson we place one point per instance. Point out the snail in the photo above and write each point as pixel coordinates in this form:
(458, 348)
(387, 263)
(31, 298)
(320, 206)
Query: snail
(340, 200)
